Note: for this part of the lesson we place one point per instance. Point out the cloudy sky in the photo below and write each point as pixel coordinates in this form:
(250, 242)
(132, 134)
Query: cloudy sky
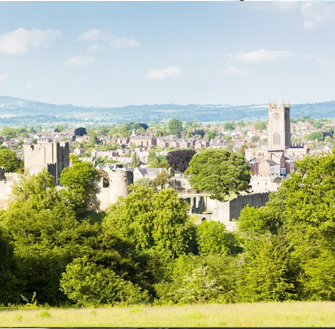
(122, 53)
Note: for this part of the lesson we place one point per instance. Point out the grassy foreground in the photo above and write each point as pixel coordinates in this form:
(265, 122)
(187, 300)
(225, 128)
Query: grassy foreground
(307, 314)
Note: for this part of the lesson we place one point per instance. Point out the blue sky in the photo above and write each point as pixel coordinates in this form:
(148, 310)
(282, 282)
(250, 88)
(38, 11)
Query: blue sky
(122, 53)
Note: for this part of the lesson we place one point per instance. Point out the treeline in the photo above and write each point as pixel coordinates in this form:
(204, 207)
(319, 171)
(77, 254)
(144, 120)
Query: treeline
(146, 248)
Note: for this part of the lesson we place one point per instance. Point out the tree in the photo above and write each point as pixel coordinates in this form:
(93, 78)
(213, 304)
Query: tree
(152, 221)
(45, 234)
(162, 179)
(81, 131)
(175, 127)
(219, 172)
(199, 279)
(179, 160)
(264, 273)
(135, 160)
(146, 182)
(260, 125)
(228, 126)
(328, 139)
(10, 161)
(8, 282)
(316, 135)
(10, 132)
(80, 182)
(89, 284)
(212, 238)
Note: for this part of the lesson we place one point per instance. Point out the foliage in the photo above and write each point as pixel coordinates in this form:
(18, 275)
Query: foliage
(146, 182)
(162, 179)
(260, 125)
(81, 131)
(45, 234)
(89, 284)
(212, 238)
(199, 279)
(175, 127)
(10, 132)
(264, 271)
(8, 281)
(180, 159)
(10, 162)
(316, 135)
(152, 221)
(80, 185)
(219, 172)
(135, 160)
(229, 126)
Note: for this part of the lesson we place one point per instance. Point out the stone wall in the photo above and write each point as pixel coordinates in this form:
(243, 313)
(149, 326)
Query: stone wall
(224, 212)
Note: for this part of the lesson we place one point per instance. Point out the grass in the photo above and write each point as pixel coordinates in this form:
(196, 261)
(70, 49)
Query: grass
(288, 314)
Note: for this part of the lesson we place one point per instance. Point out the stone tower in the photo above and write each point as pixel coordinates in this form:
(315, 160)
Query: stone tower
(119, 180)
(279, 136)
(52, 156)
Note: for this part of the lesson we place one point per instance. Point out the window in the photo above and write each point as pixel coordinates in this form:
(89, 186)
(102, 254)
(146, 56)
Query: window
(276, 116)
(276, 139)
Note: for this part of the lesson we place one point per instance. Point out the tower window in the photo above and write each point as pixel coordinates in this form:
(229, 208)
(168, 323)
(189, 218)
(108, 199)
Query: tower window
(276, 116)
(276, 139)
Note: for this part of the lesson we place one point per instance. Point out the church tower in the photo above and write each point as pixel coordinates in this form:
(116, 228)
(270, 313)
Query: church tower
(279, 136)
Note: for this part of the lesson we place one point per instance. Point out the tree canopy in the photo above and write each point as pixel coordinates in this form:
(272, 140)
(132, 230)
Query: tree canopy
(219, 172)
(80, 182)
(180, 159)
(10, 162)
(175, 126)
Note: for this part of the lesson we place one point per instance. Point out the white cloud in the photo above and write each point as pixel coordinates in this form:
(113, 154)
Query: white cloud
(263, 55)
(170, 72)
(29, 84)
(80, 61)
(233, 70)
(3, 78)
(317, 13)
(94, 35)
(21, 41)
(124, 43)
(95, 48)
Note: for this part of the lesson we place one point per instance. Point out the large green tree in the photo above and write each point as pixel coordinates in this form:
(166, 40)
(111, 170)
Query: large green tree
(80, 182)
(45, 234)
(219, 172)
(175, 126)
(153, 221)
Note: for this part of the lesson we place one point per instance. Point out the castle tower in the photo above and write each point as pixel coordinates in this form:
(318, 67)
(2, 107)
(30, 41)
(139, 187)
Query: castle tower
(52, 156)
(279, 136)
(119, 181)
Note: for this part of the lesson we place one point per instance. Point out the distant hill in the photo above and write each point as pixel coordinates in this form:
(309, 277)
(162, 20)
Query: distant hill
(18, 112)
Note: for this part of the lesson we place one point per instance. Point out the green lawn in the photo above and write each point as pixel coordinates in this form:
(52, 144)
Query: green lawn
(307, 314)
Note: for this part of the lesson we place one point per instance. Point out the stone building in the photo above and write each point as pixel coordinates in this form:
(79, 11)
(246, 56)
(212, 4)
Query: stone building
(52, 156)
(278, 158)
(279, 131)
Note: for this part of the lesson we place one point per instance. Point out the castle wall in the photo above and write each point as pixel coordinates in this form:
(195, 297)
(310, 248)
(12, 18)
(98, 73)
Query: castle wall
(225, 212)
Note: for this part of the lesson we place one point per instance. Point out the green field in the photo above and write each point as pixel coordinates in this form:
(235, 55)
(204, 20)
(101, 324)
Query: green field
(307, 314)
